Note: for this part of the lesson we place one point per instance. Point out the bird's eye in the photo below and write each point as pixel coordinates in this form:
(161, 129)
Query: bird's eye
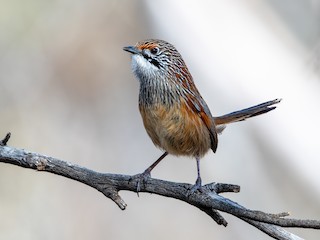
(154, 50)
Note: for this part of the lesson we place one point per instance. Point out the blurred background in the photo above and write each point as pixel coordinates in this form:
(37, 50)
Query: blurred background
(67, 91)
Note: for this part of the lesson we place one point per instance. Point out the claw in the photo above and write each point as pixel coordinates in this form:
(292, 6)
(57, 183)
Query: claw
(140, 178)
(196, 187)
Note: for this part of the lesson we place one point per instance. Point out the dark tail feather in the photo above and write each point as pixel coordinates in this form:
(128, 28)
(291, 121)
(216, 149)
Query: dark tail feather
(246, 113)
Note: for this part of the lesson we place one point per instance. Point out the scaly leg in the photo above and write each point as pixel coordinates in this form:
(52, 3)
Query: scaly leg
(198, 185)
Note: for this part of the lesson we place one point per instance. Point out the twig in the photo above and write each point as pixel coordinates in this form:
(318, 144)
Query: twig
(208, 201)
(4, 141)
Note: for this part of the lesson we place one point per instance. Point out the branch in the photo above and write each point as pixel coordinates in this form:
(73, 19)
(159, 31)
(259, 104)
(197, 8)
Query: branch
(208, 201)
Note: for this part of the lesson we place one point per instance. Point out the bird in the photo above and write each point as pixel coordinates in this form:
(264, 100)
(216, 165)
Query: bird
(174, 114)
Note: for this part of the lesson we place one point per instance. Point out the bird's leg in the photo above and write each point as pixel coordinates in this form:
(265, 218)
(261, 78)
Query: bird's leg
(143, 177)
(198, 185)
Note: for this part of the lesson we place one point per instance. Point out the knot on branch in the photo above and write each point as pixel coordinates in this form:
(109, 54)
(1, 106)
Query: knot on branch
(41, 164)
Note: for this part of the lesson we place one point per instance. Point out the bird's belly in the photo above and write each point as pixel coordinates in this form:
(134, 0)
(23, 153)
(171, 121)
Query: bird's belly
(176, 129)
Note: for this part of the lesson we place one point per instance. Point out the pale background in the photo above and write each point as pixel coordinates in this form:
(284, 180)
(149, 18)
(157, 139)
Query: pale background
(66, 90)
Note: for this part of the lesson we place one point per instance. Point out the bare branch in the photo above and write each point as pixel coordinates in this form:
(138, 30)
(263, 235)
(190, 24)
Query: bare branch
(208, 201)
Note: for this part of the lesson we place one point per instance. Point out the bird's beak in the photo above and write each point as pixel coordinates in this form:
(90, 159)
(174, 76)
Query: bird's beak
(132, 49)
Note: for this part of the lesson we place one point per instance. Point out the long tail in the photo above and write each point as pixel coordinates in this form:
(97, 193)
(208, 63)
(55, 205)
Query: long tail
(245, 113)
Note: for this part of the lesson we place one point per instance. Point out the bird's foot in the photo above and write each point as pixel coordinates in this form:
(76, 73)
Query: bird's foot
(196, 187)
(140, 178)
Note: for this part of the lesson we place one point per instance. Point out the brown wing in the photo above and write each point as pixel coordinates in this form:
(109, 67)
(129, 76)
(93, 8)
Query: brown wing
(198, 105)
(195, 101)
